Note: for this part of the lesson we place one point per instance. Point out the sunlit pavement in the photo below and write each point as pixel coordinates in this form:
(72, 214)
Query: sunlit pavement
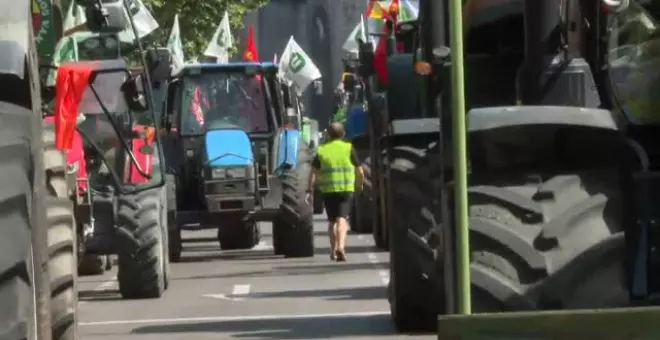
(250, 294)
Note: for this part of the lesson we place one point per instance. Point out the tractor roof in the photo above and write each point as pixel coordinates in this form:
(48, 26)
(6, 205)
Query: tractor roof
(199, 68)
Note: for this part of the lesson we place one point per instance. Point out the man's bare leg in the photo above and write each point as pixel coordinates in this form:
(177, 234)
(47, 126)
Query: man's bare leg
(332, 230)
(341, 234)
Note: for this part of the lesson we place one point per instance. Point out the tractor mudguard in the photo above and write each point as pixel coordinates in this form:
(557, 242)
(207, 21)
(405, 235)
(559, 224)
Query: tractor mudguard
(228, 147)
(509, 116)
(287, 149)
(417, 130)
(414, 126)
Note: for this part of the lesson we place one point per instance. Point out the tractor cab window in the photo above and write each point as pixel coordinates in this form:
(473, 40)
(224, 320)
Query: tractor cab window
(634, 62)
(220, 100)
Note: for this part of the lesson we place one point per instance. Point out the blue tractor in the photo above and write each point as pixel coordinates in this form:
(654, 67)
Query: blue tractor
(233, 161)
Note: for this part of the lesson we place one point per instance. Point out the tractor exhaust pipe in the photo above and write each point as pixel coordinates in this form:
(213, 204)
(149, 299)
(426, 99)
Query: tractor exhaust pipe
(542, 42)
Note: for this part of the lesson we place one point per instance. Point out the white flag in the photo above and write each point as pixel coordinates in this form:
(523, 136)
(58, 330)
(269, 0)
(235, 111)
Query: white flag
(75, 16)
(175, 46)
(144, 22)
(221, 42)
(297, 67)
(358, 33)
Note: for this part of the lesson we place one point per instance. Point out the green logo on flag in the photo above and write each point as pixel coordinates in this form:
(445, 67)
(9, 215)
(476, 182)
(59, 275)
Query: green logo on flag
(297, 62)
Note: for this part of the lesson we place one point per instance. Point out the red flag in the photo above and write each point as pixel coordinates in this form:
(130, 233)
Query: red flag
(250, 53)
(72, 80)
(380, 59)
(394, 12)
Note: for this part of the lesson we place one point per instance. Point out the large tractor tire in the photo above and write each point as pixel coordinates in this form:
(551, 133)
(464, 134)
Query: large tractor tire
(24, 260)
(367, 202)
(414, 298)
(141, 255)
(538, 241)
(175, 242)
(62, 263)
(361, 219)
(294, 226)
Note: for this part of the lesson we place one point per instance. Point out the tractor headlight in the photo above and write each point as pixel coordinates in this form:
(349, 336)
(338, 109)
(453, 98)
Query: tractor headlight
(218, 173)
(236, 173)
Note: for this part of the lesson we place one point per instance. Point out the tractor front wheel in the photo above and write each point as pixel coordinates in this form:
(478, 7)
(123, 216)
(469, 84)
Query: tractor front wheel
(293, 229)
(141, 253)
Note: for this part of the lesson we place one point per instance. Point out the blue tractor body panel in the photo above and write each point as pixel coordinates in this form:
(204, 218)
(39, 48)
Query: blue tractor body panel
(287, 152)
(356, 121)
(228, 148)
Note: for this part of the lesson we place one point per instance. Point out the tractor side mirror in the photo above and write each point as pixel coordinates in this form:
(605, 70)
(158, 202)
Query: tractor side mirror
(105, 15)
(158, 64)
(318, 87)
(133, 91)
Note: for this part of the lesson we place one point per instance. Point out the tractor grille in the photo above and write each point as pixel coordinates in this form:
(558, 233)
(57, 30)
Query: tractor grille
(227, 187)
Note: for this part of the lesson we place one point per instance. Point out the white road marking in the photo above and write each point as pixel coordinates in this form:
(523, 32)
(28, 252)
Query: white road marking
(103, 286)
(238, 293)
(233, 318)
(383, 274)
(263, 246)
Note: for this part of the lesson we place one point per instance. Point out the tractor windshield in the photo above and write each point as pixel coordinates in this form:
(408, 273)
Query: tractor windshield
(119, 138)
(219, 100)
(634, 62)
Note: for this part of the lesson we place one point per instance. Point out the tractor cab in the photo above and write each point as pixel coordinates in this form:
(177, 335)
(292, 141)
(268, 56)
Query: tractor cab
(232, 154)
(222, 122)
(106, 105)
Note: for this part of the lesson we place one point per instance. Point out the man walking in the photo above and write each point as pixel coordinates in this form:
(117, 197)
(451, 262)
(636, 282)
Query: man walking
(336, 168)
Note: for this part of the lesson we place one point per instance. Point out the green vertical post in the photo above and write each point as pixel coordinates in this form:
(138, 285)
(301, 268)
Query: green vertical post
(459, 132)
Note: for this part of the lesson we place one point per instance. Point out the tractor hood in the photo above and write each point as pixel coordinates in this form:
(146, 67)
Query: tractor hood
(228, 148)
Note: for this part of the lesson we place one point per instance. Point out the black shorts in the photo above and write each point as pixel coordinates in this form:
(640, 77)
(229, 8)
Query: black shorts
(338, 204)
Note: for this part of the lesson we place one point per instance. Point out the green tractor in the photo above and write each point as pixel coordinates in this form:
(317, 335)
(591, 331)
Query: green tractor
(548, 210)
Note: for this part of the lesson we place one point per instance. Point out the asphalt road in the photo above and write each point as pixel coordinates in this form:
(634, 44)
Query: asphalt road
(250, 294)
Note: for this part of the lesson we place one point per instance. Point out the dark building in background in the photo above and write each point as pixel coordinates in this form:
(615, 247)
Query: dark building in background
(320, 27)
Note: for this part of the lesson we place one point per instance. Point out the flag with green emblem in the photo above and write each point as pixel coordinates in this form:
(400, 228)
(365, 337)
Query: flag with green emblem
(221, 42)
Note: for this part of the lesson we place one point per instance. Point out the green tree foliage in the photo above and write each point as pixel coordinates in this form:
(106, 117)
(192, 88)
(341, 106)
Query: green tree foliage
(198, 19)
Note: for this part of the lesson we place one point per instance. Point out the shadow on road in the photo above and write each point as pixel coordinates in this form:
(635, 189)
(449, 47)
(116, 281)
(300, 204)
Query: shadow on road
(339, 294)
(99, 295)
(243, 255)
(328, 327)
(297, 270)
(361, 249)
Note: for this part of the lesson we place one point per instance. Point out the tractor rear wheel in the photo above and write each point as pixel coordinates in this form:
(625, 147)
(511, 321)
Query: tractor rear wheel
(368, 204)
(413, 293)
(22, 239)
(62, 264)
(542, 231)
(294, 225)
(141, 254)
